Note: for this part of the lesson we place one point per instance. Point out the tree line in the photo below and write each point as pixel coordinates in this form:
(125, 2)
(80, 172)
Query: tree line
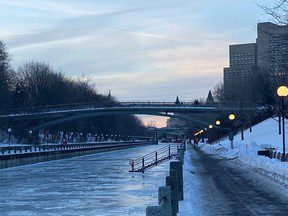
(36, 84)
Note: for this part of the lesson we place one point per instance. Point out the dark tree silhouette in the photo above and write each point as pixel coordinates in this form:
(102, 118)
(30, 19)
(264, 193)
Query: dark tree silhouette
(38, 84)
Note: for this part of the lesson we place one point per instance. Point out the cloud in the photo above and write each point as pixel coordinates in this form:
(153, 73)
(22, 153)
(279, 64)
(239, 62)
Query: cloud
(71, 9)
(139, 50)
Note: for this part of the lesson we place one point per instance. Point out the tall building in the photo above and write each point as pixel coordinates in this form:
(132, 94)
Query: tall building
(268, 55)
(272, 48)
(243, 65)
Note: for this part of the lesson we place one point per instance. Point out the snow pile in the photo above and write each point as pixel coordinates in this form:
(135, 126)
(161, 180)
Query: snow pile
(190, 204)
(264, 135)
(248, 155)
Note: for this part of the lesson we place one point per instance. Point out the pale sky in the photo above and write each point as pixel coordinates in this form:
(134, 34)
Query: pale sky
(141, 50)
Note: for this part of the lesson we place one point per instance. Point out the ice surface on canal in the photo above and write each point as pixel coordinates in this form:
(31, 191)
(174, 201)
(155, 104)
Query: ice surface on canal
(97, 184)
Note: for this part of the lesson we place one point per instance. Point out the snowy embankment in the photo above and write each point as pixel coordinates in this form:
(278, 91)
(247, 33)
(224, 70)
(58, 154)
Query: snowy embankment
(264, 135)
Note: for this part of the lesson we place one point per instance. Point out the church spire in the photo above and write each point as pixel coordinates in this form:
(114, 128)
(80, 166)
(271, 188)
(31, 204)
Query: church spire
(210, 98)
(177, 102)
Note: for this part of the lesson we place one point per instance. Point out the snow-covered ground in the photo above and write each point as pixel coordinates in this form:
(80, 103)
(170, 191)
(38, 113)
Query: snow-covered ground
(264, 134)
(215, 186)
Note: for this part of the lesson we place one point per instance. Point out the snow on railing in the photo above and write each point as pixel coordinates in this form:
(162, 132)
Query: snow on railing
(56, 147)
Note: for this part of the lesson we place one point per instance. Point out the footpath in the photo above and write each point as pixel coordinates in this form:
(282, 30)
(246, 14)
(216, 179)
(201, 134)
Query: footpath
(215, 186)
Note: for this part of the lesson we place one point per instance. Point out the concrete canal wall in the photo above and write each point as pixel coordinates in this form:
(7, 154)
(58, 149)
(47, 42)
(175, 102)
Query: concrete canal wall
(11, 160)
(170, 195)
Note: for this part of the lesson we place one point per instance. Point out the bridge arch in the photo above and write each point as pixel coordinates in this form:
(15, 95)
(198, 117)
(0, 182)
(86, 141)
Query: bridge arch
(96, 114)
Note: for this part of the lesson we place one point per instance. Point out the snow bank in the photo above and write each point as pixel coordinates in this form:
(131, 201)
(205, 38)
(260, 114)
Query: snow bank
(264, 135)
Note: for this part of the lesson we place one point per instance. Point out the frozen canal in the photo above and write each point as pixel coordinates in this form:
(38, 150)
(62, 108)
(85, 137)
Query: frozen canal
(97, 184)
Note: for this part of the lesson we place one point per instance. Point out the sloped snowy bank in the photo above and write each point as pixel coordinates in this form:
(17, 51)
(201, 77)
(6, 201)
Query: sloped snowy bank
(264, 135)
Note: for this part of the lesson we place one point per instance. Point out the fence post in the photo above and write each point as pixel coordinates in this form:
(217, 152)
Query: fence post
(164, 201)
(143, 164)
(174, 181)
(156, 157)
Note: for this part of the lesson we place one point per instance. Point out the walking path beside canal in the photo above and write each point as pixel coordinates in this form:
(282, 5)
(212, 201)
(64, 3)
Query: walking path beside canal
(224, 187)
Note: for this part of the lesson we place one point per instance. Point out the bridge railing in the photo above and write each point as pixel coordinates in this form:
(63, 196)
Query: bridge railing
(104, 104)
(89, 105)
(58, 107)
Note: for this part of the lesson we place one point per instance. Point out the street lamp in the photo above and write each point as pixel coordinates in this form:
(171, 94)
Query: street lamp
(9, 137)
(232, 117)
(282, 92)
(218, 124)
(231, 135)
(30, 136)
(209, 134)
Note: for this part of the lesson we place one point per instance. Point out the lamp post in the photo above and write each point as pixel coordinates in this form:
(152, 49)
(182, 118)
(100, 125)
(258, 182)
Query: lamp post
(204, 133)
(218, 124)
(282, 92)
(231, 135)
(9, 137)
(210, 133)
(30, 136)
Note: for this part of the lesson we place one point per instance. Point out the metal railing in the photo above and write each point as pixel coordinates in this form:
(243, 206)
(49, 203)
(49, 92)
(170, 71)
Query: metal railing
(279, 156)
(57, 147)
(154, 158)
(107, 104)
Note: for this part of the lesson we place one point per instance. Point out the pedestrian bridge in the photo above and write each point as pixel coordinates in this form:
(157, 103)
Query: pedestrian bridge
(68, 112)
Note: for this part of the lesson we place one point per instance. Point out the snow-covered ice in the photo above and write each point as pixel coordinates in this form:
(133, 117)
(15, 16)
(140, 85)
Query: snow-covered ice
(97, 184)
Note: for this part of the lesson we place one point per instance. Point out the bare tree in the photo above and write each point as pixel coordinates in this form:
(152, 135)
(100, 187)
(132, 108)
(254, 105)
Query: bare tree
(218, 92)
(278, 9)
(6, 77)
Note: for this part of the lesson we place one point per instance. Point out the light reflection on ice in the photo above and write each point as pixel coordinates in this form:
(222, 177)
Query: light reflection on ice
(98, 184)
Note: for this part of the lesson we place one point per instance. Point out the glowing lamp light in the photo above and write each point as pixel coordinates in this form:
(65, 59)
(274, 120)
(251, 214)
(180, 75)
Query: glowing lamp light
(218, 122)
(210, 126)
(231, 117)
(282, 91)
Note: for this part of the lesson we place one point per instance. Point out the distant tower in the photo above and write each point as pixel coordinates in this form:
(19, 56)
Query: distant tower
(210, 99)
(177, 102)
(109, 94)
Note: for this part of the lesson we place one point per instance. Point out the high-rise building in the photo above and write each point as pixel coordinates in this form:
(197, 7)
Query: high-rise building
(268, 55)
(272, 48)
(243, 65)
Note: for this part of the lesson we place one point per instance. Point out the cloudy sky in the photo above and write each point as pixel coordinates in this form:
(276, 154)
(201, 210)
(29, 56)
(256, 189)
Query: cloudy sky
(141, 50)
